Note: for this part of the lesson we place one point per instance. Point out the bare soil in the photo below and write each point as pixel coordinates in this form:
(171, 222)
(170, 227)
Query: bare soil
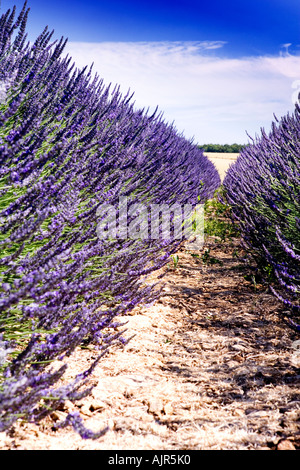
(213, 366)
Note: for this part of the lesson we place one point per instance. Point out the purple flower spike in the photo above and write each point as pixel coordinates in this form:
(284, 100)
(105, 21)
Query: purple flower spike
(69, 146)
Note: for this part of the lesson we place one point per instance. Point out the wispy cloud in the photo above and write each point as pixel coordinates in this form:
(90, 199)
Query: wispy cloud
(208, 96)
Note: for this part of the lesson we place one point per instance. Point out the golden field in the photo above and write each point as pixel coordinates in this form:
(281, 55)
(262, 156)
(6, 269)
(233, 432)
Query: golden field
(222, 161)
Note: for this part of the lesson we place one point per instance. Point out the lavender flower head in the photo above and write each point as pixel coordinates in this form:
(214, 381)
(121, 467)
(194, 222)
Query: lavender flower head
(68, 144)
(263, 190)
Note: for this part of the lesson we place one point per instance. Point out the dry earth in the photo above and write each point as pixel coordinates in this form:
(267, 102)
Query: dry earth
(213, 366)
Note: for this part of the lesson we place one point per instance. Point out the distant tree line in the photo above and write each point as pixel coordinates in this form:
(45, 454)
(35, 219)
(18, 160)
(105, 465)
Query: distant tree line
(225, 148)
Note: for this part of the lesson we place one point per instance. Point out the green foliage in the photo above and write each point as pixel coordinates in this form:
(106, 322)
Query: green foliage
(206, 258)
(175, 260)
(210, 260)
(222, 148)
(217, 220)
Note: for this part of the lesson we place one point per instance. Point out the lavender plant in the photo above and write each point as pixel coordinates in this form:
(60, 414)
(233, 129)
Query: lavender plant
(69, 144)
(262, 188)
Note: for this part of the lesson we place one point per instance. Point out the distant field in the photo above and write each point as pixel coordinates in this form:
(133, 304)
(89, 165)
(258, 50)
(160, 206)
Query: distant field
(222, 161)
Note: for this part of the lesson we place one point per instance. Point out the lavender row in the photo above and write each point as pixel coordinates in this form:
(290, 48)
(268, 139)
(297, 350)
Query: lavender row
(263, 189)
(69, 144)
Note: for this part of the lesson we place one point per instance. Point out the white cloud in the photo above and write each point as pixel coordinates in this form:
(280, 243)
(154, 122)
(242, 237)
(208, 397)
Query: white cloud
(210, 98)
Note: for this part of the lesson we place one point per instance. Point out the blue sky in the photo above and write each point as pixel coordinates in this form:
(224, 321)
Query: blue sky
(218, 69)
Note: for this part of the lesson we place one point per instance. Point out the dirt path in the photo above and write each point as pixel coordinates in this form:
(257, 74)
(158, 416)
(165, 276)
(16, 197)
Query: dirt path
(212, 366)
